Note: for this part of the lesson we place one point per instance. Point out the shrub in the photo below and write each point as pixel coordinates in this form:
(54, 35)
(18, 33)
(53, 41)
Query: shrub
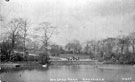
(16, 57)
(43, 58)
(5, 51)
(31, 58)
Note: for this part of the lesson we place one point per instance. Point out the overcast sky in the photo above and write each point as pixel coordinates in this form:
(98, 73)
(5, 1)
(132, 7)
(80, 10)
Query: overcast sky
(76, 19)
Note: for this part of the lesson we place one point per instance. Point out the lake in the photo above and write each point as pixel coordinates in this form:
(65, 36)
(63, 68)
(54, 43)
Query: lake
(71, 73)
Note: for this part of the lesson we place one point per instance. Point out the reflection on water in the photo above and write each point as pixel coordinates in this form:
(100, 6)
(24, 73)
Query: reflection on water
(113, 73)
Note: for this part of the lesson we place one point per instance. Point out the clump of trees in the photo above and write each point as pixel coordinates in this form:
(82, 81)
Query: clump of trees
(5, 50)
(43, 58)
(113, 50)
(120, 50)
(15, 44)
(73, 47)
(14, 37)
(56, 50)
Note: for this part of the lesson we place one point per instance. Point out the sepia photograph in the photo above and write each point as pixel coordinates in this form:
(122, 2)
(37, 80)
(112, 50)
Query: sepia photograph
(67, 40)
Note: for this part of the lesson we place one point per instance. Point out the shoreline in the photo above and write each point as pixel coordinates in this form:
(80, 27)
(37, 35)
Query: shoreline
(56, 62)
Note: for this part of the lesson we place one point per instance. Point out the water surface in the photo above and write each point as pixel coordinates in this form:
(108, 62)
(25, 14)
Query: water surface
(72, 73)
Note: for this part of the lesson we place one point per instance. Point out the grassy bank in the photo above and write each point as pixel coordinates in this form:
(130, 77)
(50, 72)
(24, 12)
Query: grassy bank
(81, 56)
(19, 64)
(72, 63)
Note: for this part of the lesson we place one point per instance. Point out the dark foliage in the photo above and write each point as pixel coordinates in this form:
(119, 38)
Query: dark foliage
(5, 51)
(16, 57)
(43, 58)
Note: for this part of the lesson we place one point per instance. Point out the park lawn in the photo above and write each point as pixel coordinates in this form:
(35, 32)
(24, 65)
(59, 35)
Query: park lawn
(81, 56)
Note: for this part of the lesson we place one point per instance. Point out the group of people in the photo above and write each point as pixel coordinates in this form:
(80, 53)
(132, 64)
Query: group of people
(73, 58)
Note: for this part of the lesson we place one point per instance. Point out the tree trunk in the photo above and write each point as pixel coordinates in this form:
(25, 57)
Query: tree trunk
(133, 46)
(46, 47)
(127, 49)
(25, 34)
(122, 48)
(12, 45)
(24, 50)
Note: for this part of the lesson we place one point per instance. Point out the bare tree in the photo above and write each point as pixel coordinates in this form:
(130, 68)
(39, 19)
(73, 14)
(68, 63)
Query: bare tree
(24, 31)
(14, 32)
(47, 31)
(1, 24)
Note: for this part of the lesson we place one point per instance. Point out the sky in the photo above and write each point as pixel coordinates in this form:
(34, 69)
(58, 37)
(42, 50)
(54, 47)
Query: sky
(76, 19)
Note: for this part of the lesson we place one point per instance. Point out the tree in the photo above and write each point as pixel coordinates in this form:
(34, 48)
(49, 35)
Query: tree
(14, 32)
(5, 50)
(46, 29)
(87, 48)
(74, 46)
(24, 28)
(2, 25)
(17, 30)
(132, 40)
(93, 45)
(56, 50)
(43, 58)
(124, 42)
(108, 48)
(1, 18)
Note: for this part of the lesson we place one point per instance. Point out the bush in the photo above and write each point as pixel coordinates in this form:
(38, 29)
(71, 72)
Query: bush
(5, 51)
(43, 58)
(31, 58)
(16, 57)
